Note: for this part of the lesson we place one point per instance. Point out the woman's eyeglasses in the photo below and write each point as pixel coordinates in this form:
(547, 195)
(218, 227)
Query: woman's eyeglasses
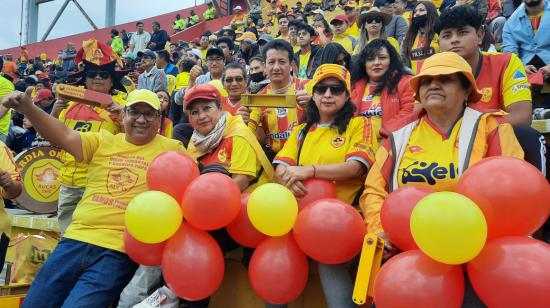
(95, 73)
(335, 89)
(374, 20)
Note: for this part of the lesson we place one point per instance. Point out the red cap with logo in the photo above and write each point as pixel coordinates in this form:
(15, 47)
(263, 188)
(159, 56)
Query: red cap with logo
(203, 91)
(340, 18)
(41, 95)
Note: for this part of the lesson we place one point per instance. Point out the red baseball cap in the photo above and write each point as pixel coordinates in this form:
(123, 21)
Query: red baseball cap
(41, 95)
(340, 18)
(203, 91)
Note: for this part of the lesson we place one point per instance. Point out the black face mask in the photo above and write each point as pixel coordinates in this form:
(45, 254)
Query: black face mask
(533, 3)
(420, 21)
(257, 77)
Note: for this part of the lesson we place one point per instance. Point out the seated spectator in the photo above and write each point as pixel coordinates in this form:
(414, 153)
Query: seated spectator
(228, 48)
(116, 42)
(179, 24)
(44, 100)
(248, 47)
(257, 79)
(234, 82)
(152, 78)
(193, 19)
(381, 89)
(163, 62)
(210, 12)
(373, 25)
(421, 40)
(93, 248)
(397, 26)
(308, 58)
(340, 27)
(524, 36)
(166, 126)
(334, 53)
(323, 33)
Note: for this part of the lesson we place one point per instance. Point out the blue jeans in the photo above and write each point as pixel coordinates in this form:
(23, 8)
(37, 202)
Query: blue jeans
(79, 274)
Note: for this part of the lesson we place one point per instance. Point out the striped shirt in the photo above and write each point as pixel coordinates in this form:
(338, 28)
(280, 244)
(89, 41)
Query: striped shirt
(154, 80)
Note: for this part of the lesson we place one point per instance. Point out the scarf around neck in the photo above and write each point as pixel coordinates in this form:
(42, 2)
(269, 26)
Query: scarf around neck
(208, 143)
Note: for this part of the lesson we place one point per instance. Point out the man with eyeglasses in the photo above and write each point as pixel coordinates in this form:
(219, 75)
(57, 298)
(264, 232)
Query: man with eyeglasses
(99, 76)
(215, 61)
(234, 82)
(89, 266)
(152, 78)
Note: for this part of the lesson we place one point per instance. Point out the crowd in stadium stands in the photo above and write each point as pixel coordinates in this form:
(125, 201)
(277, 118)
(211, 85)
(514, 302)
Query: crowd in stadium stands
(367, 75)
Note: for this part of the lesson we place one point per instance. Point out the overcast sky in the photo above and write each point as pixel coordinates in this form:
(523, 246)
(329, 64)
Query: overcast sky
(72, 21)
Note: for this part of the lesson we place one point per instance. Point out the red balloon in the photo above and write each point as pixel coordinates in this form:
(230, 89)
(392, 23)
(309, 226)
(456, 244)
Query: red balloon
(278, 270)
(513, 195)
(241, 229)
(192, 263)
(317, 189)
(211, 201)
(142, 253)
(396, 214)
(329, 231)
(171, 172)
(512, 271)
(411, 279)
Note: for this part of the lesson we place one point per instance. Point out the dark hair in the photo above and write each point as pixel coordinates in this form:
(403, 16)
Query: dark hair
(331, 52)
(164, 55)
(281, 45)
(391, 77)
(458, 16)
(233, 66)
(164, 113)
(306, 27)
(433, 19)
(341, 120)
(156, 23)
(186, 65)
(114, 32)
(228, 41)
(328, 29)
(178, 16)
(139, 23)
(293, 23)
(257, 58)
(229, 33)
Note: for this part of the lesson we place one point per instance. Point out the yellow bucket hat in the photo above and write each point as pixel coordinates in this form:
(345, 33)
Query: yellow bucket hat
(446, 63)
(331, 70)
(143, 96)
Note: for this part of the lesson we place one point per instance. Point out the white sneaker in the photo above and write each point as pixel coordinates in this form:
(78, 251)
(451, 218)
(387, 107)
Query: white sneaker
(162, 297)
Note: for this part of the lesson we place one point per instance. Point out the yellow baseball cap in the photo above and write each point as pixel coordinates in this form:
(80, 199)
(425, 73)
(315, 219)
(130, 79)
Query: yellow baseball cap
(331, 70)
(445, 63)
(143, 96)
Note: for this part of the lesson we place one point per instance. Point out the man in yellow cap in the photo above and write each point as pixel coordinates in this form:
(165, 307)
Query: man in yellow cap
(351, 13)
(89, 266)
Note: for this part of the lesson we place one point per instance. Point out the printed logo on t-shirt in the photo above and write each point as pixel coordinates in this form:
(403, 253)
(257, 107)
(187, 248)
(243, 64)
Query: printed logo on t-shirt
(83, 127)
(487, 94)
(222, 155)
(518, 75)
(282, 112)
(429, 173)
(338, 141)
(120, 181)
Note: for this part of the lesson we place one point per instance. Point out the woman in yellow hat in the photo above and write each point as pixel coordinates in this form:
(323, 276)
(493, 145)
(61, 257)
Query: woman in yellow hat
(445, 134)
(335, 146)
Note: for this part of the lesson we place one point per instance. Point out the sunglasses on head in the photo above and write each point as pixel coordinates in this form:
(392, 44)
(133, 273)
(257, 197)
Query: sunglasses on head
(374, 19)
(335, 89)
(95, 73)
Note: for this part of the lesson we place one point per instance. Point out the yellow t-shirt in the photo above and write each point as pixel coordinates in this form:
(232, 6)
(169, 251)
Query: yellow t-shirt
(390, 39)
(304, 59)
(6, 87)
(370, 107)
(345, 41)
(7, 163)
(203, 53)
(116, 174)
(417, 52)
(431, 157)
(323, 145)
(85, 119)
(182, 80)
(354, 30)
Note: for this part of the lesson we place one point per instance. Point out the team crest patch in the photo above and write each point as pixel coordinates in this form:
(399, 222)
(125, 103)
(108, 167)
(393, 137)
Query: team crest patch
(518, 75)
(222, 155)
(281, 112)
(337, 141)
(487, 94)
(120, 181)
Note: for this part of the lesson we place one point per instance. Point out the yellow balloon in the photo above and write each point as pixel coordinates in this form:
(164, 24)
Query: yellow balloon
(153, 217)
(448, 227)
(272, 209)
